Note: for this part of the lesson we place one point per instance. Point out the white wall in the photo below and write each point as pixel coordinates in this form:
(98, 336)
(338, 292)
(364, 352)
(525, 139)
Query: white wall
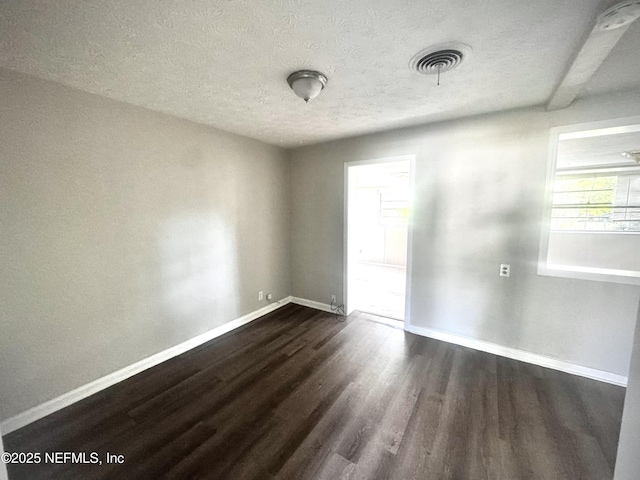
(123, 232)
(479, 189)
(628, 460)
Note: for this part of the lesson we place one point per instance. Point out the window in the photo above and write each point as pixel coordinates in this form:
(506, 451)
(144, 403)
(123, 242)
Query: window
(591, 226)
(596, 202)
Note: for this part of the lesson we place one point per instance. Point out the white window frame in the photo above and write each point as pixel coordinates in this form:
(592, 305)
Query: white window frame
(623, 125)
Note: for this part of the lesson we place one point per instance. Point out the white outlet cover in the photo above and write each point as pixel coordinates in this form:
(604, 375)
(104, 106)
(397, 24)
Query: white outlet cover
(505, 270)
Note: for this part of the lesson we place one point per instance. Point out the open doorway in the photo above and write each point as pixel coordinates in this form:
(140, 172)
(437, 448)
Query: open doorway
(377, 234)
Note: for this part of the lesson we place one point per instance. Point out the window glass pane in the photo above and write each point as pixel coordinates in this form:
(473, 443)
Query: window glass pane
(598, 202)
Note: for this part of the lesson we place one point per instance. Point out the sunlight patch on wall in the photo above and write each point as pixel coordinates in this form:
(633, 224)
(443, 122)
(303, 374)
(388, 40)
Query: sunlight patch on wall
(199, 270)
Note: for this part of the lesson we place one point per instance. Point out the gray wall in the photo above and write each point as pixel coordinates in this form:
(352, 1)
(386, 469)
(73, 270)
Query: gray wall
(619, 251)
(479, 191)
(123, 232)
(628, 460)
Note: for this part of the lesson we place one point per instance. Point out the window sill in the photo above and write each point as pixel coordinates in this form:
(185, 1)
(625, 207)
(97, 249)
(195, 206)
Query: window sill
(629, 277)
(593, 232)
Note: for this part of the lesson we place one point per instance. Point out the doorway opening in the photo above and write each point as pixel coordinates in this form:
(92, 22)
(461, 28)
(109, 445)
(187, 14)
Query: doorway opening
(377, 234)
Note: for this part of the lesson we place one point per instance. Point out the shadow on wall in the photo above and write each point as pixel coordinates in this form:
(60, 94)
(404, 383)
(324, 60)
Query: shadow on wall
(474, 216)
(425, 247)
(504, 314)
(198, 274)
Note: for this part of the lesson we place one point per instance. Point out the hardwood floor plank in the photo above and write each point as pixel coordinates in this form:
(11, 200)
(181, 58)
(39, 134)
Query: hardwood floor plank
(172, 453)
(308, 445)
(336, 468)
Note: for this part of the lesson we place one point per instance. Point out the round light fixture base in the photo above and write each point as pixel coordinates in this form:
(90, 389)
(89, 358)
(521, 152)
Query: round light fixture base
(632, 155)
(307, 84)
(619, 15)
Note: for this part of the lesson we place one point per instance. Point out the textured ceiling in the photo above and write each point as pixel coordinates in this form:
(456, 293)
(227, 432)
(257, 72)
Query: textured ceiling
(600, 150)
(224, 63)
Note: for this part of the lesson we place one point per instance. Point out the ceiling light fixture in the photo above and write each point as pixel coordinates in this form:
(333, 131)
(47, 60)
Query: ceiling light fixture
(632, 155)
(307, 84)
(620, 15)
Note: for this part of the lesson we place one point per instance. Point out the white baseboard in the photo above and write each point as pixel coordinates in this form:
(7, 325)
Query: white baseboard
(521, 355)
(58, 403)
(312, 304)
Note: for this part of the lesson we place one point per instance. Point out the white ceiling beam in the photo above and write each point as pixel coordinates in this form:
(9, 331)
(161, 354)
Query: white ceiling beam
(609, 28)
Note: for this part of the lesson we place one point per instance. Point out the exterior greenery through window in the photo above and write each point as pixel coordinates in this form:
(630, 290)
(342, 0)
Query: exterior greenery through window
(596, 202)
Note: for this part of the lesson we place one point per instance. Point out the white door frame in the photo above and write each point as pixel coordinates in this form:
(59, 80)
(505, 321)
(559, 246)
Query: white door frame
(345, 246)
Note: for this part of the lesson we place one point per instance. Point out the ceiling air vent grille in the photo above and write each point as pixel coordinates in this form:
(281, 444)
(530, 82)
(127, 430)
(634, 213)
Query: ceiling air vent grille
(442, 60)
(439, 59)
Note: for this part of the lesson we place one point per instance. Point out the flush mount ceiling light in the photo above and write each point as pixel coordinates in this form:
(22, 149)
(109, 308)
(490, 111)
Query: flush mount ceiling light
(307, 84)
(619, 15)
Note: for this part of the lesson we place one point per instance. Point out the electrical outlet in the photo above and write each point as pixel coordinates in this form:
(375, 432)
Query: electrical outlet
(269, 296)
(333, 299)
(261, 295)
(505, 270)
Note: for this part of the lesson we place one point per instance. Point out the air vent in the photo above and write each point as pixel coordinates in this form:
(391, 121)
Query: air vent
(439, 59)
(442, 60)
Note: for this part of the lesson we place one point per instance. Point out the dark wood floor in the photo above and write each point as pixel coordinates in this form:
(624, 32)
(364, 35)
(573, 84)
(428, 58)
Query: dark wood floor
(298, 395)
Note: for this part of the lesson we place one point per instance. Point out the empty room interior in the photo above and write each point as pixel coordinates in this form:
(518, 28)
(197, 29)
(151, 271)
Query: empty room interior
(320, 240)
